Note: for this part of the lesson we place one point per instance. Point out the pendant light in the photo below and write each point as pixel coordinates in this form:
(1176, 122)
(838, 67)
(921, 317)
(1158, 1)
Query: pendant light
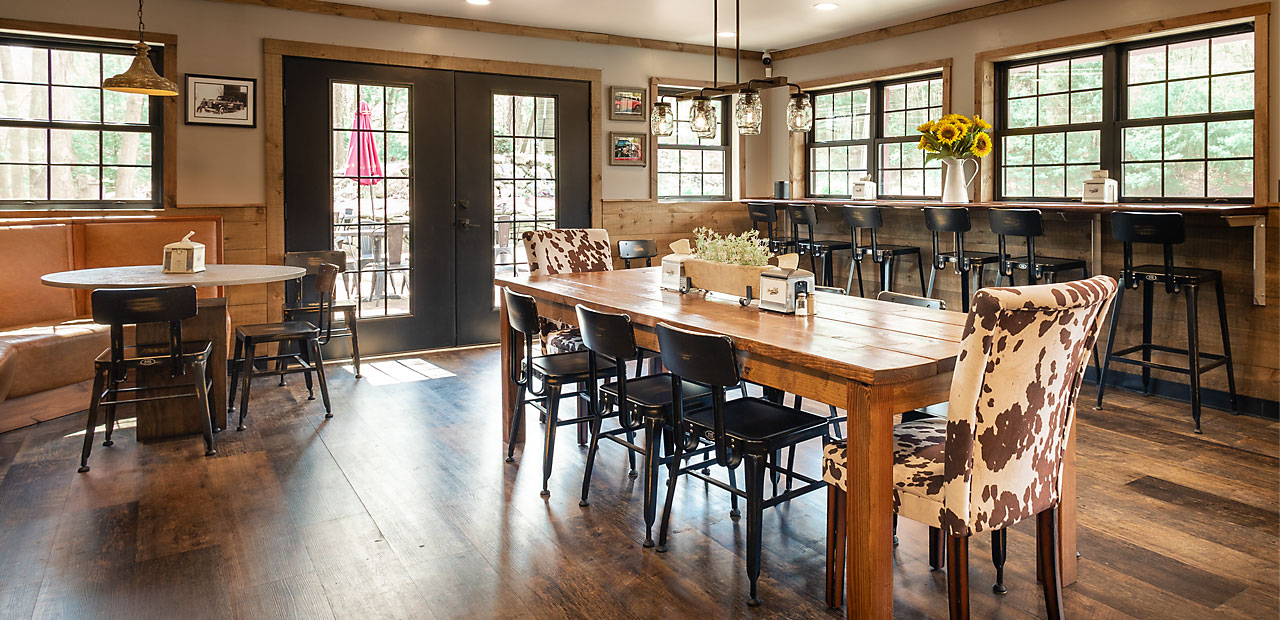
(702, 118)
(749, 112)
(662, 120)
(141, 77)
(799, 113)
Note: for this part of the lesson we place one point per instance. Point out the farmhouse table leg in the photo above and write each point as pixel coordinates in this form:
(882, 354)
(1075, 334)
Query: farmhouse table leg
(870, 503)
(509, 343)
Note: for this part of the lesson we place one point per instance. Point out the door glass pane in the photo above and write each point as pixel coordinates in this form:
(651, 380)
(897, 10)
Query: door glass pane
(372, 170)
(524, 175)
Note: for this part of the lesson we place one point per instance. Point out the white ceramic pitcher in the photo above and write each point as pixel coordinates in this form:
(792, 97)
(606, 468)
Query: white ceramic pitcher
(955, 187)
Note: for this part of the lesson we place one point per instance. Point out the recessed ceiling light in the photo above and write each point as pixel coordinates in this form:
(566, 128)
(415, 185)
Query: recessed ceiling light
(479, 2)
(725, 34)
(826, 6)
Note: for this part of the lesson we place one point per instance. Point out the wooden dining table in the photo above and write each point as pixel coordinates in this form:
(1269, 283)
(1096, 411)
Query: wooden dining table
(874, 359)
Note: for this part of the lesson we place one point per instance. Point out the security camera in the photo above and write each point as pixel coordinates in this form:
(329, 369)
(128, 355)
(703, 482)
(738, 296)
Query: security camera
(766, 59)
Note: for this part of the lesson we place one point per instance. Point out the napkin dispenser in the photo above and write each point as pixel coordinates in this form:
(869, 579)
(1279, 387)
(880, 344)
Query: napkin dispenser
(862, 189)
(782, 286)
(673, 276)
(184, 256)
(1100, 188)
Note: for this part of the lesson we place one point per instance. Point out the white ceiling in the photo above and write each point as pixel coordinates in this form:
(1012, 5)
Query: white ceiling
(767, 24)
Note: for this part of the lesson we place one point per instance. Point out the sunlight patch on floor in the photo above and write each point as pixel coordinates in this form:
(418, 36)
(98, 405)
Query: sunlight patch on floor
(408, 370)
(121, 423)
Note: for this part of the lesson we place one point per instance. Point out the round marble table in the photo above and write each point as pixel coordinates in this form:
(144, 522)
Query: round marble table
(153, 275)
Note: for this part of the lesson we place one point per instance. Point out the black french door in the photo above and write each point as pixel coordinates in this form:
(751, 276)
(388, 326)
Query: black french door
(425, 179)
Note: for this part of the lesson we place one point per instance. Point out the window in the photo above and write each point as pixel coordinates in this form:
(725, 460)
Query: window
(870, 130)
(1171, 119)
(689, 167)
(524, 175)
(65, 142)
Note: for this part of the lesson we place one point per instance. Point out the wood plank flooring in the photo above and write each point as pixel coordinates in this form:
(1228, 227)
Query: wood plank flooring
(401, 507)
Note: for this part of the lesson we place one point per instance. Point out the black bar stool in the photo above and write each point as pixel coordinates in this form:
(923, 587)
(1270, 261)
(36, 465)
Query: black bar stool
(1167, 230)
(636, 249)
(553, 372)
(817, 249)
(764, 215)
(869, 218)
(644, 401)
(955, 220)
(137, 306)
(744, 431)
(1028, 224)
(299, 305)
(302, 334)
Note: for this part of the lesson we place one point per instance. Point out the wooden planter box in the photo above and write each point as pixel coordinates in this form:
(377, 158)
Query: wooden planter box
(724, 278)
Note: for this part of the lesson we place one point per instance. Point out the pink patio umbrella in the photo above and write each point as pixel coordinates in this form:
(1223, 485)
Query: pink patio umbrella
(362, 153)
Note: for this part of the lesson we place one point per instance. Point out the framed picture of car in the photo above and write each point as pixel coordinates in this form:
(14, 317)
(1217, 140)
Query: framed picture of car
(225, 101)
(627, 149)
(628, 104)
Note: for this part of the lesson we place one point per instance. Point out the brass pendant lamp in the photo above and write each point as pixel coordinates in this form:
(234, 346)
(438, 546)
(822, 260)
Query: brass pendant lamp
(141, 77)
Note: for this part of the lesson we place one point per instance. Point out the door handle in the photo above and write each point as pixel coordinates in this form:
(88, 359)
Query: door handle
(464, 223)
(463, 204)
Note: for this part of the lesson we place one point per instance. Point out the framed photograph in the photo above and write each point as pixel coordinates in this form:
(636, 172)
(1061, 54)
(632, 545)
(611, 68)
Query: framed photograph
(215, 100)
(627, 149)
(628, 104)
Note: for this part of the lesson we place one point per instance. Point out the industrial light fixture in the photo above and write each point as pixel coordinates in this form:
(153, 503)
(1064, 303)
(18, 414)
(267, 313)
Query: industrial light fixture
(748, 109)
(826, 6)
(478, 2)
(141, 77)
(662, 120)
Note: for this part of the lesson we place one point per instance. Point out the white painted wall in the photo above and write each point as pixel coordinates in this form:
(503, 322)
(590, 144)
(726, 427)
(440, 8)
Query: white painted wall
(962, 42)
(219, 165)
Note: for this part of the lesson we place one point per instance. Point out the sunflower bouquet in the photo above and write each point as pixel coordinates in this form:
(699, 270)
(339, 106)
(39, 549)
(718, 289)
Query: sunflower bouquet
(955, 136)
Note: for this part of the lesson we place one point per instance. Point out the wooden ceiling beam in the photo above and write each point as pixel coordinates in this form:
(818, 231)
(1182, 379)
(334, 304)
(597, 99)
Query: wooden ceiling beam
(323, 7)
(920, 25)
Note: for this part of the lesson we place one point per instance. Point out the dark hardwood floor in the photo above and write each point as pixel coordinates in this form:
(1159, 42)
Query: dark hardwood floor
(401, 507)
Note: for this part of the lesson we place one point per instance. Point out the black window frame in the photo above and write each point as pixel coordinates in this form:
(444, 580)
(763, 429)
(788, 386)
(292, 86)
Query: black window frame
(1114, 115)
(155, 127)
(876, 133)
(725, 147)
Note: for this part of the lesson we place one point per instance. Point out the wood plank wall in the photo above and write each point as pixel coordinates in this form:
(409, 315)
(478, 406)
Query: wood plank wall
(1211, 244)
(665, 222)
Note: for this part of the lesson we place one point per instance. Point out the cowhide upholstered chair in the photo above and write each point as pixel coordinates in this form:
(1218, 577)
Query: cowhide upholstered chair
(565, 250)
(997, 458)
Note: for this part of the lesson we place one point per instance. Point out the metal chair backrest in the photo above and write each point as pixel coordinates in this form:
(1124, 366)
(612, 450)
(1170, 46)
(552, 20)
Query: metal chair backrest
(702, 358)
(764, 215)
(395, 244)
(325, 287)
(802, 215)
(610, 335)
(296, 291)
(1165, 228)
(522, 318)
(636, 249)
(912, 300)
(1025, 223)
(860, 217)
(137, 306)
(953, 220)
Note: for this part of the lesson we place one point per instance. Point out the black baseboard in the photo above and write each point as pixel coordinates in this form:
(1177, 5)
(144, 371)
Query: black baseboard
(1181, 392)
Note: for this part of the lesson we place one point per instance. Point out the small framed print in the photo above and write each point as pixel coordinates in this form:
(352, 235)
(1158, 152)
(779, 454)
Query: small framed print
(627, 149)
(226, 101)
(628, 104)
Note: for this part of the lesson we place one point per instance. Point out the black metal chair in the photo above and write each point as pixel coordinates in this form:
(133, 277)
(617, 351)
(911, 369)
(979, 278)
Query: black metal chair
(764, 219)
(868, 218)
(744, 430)
(1167, 230)
(817, 249)
(553, 372)
(1028, 224)
(642, 402)
(302, 334)
(137, 306)
(955, 220)
(299, 305)
(636, 249)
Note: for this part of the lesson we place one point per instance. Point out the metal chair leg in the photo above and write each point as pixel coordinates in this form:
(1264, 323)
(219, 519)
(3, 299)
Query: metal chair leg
(1193, 351)
(235, 374)
(673, 476)
(246, 372)
(549, 445)
(202, 396)
(1111, 341)
(516, 415)
(99, 385)
(596, 421)
(304, 351)
(1226, 346)
(920, 268)
(317, 364)
(1147, 290)
(754, 466)
(653, 431)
